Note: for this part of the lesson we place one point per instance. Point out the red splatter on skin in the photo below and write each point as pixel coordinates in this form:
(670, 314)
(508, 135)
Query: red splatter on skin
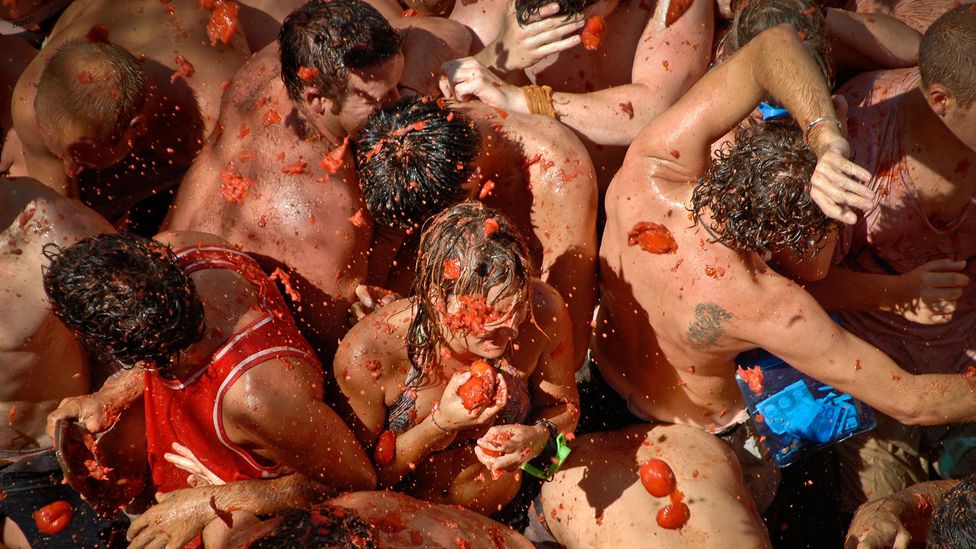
(285, 280)
(234, 186)
(462, 543)
(675, 153)
(479, 391)
(452, 269)
(593, 32)
(84, 77)
(504, 436)
(271, 117)
(558, 351)
(486, 189)
(628, 108)
(245, 131)
(714, 271)
(963, 166)
(97, 34)
(657, 478)
(501, 112)
(895, 377)
(332, 161)
(225, 516)
(54, 517)
(410, 12)
(652, 238)
(490, 227)
(358, 219)
(676, 9)
(12, 414)
(675, 515)
(472, 315)
(185, 69)
(307, 74)
(753, 377)
(857, 364)
(223, 22)
(295, 168)
(385, 451)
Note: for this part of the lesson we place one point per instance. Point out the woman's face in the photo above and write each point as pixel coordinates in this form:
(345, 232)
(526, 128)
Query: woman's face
(482, 327)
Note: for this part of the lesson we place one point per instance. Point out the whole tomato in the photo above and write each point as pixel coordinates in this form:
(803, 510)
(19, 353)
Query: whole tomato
(657, 478)
(673, 516)
(54, 517)
(385, 451)
(479, 391)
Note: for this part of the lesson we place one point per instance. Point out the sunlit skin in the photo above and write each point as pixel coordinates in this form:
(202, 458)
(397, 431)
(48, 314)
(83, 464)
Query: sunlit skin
(179, 111)
(918, 14)
(371, 366)
(40, 360)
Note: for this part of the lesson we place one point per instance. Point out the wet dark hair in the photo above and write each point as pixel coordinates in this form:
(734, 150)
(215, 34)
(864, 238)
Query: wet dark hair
(413, 158)
(487, 251)
(322, 526)
(756, 191)
(953, 524)
(96, 86)
(332, 36)
(527, 10)
(125, 297)
(947, 54)
(808, 17)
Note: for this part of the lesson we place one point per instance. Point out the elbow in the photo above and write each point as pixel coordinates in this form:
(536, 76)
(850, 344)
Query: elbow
(911, 409)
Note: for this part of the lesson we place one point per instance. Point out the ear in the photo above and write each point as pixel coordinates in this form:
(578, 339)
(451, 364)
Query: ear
(138, 125)
(316, 102)
(938, 98)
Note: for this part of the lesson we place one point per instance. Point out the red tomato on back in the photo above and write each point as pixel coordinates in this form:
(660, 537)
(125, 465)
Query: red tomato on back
(657, 478)
(673, 516)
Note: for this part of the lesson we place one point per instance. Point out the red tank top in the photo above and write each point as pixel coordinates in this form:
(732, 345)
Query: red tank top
(189, 411)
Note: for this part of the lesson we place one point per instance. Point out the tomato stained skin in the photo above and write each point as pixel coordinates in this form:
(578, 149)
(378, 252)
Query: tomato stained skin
(54, 517)
(673, 516)
(657, 478)
(385, 451)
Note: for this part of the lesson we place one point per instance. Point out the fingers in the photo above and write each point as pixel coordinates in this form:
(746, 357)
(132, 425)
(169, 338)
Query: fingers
(444, 83)
(559, 46)
(137, 527)
(830, 208)
(180, 462)
(950, 281)
(943, 265)
(902, 540)
(362, 293)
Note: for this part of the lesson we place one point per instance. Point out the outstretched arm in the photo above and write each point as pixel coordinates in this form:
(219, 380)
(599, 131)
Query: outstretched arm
(871, 41)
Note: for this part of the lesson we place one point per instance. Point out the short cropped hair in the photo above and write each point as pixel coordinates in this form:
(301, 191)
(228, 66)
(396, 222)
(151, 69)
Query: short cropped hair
(322, 526)
(756, 192)
(125, 297)
(326, 38)
(527, 10)
(953, 522)
(95, 86)
(947, 54)
(413, 158)
(806, 16)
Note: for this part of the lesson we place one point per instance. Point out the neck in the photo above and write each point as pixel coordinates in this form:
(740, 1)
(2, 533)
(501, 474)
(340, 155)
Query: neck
(924, 127)
(196, 356)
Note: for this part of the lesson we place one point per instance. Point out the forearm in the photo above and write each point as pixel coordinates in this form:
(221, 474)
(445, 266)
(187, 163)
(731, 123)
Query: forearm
(573, 275)
(847, 290)
(943, 398)
(564, 415)
(412, 446)
(871, 41)
(267, 497)
(123, 388)
(613, 116)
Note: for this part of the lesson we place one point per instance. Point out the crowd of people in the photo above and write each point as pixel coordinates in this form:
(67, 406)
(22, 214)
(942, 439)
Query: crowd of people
(487, 273)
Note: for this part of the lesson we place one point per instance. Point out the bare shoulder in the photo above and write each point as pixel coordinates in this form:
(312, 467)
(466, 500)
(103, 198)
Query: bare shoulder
(179, 239)
(549, 310)
(64, 220)
(380, 335)
(483, 17)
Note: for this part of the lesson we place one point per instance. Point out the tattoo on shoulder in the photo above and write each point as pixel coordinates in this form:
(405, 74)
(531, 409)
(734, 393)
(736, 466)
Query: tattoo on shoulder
(705, 330)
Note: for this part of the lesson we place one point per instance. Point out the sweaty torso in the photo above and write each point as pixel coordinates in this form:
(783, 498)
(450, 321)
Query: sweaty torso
(40, 360)
(661, 334)
(260, 185)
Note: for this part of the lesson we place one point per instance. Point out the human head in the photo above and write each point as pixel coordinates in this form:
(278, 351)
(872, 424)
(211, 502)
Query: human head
(89, 104)
(953, 522)
(125, 297)
(806, 16)
(413, 158)
(755, 192)
(471, 284)
(322, 526)
(333, 49)
(527, 11)
(947, 64)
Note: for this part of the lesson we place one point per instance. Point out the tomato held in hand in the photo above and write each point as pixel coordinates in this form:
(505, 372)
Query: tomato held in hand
(54, 517)
(657, 478)
(479, 391)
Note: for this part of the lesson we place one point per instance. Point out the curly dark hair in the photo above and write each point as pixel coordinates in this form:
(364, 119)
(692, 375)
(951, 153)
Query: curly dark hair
(527, 10)
(953, 522)
(487, 251)
(323, 526)
(756, 191)
(125, 297)
(332, 36)
(413, 158)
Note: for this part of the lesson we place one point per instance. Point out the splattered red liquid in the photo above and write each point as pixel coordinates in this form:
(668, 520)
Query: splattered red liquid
(332, 161)
(223, 22)
(593, 33)
(501, 437)
(652, 238)
(657, 478)
(753, 377)
(54, 517)
(98, 34)
(472, 315)
(452, 269)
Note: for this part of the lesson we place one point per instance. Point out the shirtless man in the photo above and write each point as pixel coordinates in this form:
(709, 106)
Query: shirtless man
(533, 170)
(652, 53)
(678, 307)
(224, 371)
(40, 361)
(903, 282)
(278, 181)
(17, 54)
(128, 89)
(918, 14)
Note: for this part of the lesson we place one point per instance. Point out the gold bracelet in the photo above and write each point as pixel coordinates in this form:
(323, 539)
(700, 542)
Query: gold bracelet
(539, 100)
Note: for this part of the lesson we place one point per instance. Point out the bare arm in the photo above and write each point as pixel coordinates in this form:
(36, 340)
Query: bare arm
(871, 41)
(99, 411)
(891, 521)
(553, 383)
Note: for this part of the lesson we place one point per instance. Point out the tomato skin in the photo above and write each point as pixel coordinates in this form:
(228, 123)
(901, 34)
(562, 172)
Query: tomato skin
(593, 33)
(385, 451)
(657, 478)
(479, 391)
(673, 516)
(53, 517)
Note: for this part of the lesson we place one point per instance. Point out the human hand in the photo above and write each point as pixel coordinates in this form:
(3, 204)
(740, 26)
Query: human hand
(178, 518)
(185, 460)
(92, 411)
(517, 47)
(931, 291)
(507, 447)
(451, 414)
(838, 185)
(878, 524)
(370, 299)
(467, 78)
